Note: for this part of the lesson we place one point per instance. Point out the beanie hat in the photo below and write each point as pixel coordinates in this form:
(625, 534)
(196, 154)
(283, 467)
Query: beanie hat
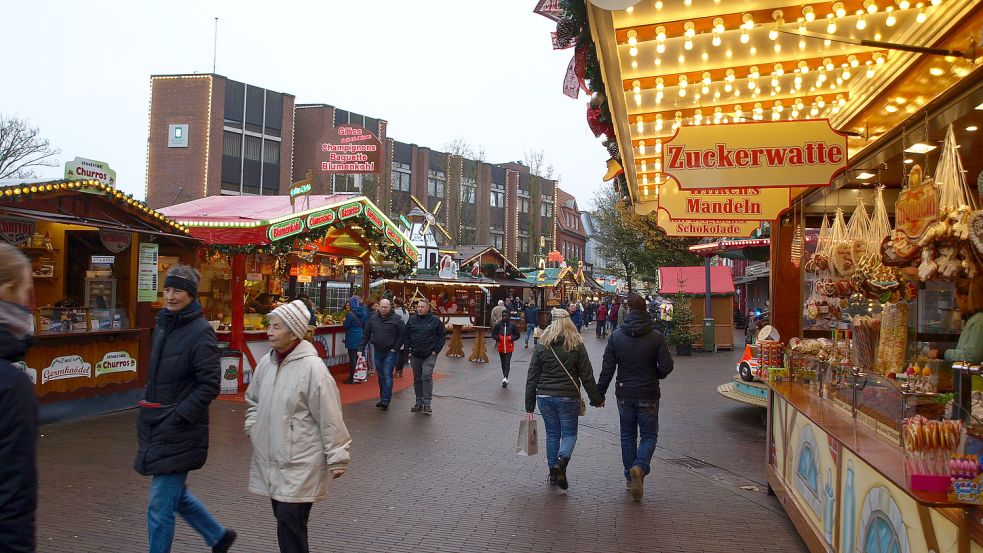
(559, 313)
(295, 315)
(184, 278)
(636, 302)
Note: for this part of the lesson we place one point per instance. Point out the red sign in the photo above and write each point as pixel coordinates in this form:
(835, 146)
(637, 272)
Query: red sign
(321, 218)
(287, 228)
(15, 231)
(394, 236)
(348, 211)
(374, 216)
(350, 149)
(408, 249)
(549, 9)
(114, 240)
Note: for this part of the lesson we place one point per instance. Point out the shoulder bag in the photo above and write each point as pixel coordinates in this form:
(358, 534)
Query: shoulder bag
(583, 406)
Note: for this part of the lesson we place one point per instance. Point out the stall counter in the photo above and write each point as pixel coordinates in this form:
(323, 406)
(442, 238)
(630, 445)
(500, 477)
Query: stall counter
(841, 483)
(258, 344)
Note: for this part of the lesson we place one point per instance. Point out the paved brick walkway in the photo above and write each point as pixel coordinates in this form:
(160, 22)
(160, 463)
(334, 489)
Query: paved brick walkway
(451, 482)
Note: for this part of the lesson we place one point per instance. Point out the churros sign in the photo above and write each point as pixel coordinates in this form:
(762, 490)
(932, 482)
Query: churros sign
(780, 154)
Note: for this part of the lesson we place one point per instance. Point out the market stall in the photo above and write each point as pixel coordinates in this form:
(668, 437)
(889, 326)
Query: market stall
(263, 251)
(691, 283)
(99, 257)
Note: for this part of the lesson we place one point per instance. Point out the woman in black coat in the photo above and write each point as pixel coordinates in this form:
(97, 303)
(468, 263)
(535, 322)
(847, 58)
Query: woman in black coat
(18, 407)
(505, 334)
(172, 426)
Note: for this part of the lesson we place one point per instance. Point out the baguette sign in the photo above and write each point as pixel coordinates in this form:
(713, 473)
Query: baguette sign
(779, 154)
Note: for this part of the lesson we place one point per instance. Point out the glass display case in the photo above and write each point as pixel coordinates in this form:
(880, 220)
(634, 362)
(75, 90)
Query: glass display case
(100, 293)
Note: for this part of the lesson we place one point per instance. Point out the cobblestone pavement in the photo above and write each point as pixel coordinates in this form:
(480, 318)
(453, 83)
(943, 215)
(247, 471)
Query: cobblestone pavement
(451, 482)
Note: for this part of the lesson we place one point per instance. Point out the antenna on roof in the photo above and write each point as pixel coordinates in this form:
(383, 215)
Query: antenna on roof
(215, 46)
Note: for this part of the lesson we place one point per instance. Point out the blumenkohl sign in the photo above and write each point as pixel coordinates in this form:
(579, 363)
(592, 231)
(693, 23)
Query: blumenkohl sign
(779, 154)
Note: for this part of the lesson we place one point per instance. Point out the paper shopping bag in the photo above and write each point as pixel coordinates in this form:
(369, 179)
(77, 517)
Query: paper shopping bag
(528, 442)
(361, 370)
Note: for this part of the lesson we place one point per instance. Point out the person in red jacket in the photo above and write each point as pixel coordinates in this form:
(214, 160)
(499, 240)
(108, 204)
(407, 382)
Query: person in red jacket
(602, 318)
(505, 335)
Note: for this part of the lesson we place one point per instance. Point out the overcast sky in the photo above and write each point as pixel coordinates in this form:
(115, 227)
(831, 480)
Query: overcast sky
(435, 70)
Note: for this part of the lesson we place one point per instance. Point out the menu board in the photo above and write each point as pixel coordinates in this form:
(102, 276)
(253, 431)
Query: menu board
(147, 279)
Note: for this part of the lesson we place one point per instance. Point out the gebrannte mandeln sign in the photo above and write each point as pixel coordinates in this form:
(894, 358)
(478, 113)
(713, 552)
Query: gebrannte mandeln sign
(724, 204)
(701, 228)
(773, 154)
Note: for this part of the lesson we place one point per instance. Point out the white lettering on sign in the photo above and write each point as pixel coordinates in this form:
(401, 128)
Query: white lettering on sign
(69, 366)
(114, 362)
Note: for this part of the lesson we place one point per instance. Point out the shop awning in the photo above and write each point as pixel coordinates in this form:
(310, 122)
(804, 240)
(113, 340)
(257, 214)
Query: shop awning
(69, 219)
(662, 66)
(692, 280)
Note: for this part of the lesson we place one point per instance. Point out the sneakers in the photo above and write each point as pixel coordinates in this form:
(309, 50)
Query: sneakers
(225, 542)
(552, 477)
(382, 405)
(561, 472)
(505, 382)
(527, 345)
(635, 487)
(427, 410)
(416, 408)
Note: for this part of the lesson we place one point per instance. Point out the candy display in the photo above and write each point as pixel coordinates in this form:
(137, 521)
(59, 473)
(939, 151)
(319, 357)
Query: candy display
(893, 338)
(865, 336)
(931, 444)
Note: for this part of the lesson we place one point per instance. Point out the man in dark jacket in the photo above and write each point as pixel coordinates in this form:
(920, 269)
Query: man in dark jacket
(172, 425)
(641, 358)
(384, 331)
(425, 336)
(532, 320)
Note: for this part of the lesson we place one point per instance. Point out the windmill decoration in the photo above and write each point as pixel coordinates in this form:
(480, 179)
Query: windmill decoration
(421, 235)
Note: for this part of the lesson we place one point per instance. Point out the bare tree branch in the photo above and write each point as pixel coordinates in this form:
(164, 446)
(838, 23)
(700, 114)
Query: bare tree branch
(21, 148)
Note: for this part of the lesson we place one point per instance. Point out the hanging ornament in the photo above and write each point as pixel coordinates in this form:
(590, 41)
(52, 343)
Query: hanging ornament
(798, 239)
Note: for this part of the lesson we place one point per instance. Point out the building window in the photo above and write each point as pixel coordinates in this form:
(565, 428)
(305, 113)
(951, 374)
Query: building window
(253, 146)
(498, 241)
(435, 184)
(523, 205)
(523, 245)
(271, 152)
(469, 191)
(346, 183)
(497, 199)
(232, 145)
(401, 177)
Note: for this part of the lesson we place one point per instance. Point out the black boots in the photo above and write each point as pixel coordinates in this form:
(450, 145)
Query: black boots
(552, 478)
(561, 471)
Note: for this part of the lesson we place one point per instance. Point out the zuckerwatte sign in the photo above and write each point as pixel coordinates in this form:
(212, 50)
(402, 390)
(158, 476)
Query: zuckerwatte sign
(350, 149)
(779, 154)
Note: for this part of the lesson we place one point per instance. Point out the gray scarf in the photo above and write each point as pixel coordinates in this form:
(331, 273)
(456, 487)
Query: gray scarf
(16, 319)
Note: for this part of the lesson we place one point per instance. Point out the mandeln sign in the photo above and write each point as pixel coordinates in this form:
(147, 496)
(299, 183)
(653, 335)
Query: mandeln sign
(779, 154)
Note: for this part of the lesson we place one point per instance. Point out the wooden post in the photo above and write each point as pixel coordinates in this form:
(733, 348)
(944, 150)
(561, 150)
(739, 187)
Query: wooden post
(786, 283)
(366, 279)
(237, 338)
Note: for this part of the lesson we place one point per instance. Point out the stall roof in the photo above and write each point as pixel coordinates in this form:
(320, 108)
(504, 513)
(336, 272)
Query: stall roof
(467, 254)
(692, 280)
(552, 276)
(462, 280)
(260, 210)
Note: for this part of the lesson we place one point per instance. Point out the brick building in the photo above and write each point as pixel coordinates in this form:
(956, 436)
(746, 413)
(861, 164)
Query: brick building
(571, 238)
(236, 138)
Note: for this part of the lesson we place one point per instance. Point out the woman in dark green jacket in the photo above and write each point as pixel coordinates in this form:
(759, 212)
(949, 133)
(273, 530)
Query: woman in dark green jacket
(557, 370)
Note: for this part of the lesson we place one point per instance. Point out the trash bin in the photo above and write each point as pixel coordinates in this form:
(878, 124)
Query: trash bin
(230, 361)
(709, 341)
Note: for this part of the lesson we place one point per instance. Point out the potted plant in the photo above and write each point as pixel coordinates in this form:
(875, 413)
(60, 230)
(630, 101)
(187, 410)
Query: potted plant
(680, 330)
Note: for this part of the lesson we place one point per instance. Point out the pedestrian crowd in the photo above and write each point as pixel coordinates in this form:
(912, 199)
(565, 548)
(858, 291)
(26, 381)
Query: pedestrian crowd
(293, 418)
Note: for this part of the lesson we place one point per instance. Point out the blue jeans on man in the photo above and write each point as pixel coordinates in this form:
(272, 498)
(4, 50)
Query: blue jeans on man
(385, 362)
(530, 328)
(560, 419)
(169, 495)
(638, 416)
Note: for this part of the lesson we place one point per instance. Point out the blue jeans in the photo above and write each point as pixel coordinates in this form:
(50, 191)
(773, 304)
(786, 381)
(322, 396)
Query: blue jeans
(560, 419)
(169, 495)
(638, 416)
(385, 362)
(530, 328)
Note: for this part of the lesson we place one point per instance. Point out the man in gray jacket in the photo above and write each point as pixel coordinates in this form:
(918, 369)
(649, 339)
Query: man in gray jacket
(425, 335)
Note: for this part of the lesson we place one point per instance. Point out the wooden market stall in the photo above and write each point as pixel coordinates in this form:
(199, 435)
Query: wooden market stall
(263, 251)
(99, 257)
(691, 282)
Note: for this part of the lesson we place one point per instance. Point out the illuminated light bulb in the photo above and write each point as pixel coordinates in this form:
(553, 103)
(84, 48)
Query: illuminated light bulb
(877, 35)
(634, 64)
(840, 99)
(683, 81)
(891, 20)
(936, 71)
(688, 2)
(659, 83)
(728, 87)
(809, 14)
(852, 60)
(729, 76)
(738, 112)
(748, 20)
(682, 92)
(839, 9)
(636, 86)
(657, 165)
(728, 53)
(704, 56)
(705, 89)
(660, 48)
(658, 4)
(777, 48)
(921, 17)
(870, 69)
(774, 82)
(658, 62)
(718, 25)
(681, 59)
(752, 50)
(644, 166)
(753, 72)
(632, 38)
(744, 36)
(716, 95)
(779, 69)
(861, 22)
(803, 67)
(706, 77)
(698, 116)
(879, 58)
(813, 111)
(845, 75)
(658, 97)
(688, 44)
(639, 124)
(827, 42)
(716, 39)
(773, 33)
(871, 6)
(658, 123)
(660, 33)
(904, 4)
(641, 147)
(737, 93)
(690, 29)
(820, 102)
(890, 108)
(828, 64)
(633, 51)
(751, 85)
(638, 99)
(658, 142)
(831, 26)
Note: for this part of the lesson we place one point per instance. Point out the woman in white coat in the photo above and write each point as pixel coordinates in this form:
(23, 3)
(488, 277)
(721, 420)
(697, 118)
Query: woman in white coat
(294, 422)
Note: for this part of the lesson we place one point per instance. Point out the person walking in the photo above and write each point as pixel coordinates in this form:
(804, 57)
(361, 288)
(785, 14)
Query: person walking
(498, 312)
(613, 314)
(425, 336)
(384, 332)
(577, 315)
(601, 328)
(172, 424)
(294, 422)
(622, 312)
(505, 334)
(640, 357)
(18, 407)
(531, 315)
(558, 369)
(355, 321)
(400, 308)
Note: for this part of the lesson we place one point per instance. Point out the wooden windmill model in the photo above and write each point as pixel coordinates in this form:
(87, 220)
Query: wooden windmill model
(421, 224)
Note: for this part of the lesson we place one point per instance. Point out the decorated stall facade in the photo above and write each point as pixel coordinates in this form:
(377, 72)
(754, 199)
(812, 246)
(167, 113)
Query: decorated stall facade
(263, 250)
(690, 283)
(96, 256)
